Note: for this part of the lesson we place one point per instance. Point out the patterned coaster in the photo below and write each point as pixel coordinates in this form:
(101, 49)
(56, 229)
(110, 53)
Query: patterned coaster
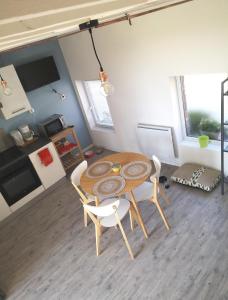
(99, 169)
(109, 186)
(136, 170)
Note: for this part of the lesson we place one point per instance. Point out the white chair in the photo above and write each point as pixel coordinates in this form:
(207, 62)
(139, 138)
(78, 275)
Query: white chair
(109, 214)
(151, 190)
(75, 180)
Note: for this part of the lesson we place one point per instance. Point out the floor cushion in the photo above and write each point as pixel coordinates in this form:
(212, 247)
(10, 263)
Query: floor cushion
(197, 176)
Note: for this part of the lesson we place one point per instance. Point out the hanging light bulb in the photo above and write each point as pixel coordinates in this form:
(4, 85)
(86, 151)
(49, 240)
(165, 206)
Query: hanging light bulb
(5, 88)
(106, 88)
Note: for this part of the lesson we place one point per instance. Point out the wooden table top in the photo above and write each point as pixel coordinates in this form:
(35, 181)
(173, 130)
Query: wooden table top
(123, 158)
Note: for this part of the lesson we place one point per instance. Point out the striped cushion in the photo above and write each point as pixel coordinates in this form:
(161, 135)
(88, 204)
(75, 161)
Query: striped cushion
(197, 176)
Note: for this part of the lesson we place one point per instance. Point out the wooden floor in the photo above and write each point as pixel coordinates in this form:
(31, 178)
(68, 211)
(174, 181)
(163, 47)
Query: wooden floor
(47, 254)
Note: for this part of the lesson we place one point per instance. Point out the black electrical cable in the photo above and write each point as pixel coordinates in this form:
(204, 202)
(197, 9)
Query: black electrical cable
(95, 51)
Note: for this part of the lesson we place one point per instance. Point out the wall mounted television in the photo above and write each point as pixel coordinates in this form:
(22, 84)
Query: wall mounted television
(38, 73)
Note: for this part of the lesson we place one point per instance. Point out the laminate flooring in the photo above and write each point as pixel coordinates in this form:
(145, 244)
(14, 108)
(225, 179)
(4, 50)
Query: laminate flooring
(47, 254)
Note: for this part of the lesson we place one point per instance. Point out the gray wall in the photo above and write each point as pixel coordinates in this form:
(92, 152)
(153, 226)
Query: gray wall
(43, 100)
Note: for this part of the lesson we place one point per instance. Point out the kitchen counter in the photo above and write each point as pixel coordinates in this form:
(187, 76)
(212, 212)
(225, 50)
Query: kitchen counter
(23, 175)
(42, 141)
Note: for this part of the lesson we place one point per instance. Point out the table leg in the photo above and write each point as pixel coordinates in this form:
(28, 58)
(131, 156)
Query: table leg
(139, 217)
(97, 201)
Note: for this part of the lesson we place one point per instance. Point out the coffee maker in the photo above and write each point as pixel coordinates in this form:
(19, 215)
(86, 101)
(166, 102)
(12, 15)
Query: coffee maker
(26, 132)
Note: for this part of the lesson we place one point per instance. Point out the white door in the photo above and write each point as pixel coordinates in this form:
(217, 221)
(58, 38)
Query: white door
(17, 102)
(48, 174)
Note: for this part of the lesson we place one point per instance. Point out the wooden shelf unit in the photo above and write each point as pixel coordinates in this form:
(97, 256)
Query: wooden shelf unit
(67, 158)
(68, 151)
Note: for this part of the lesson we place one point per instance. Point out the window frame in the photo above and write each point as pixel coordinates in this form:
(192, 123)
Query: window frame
(182, 104)
(92, 108)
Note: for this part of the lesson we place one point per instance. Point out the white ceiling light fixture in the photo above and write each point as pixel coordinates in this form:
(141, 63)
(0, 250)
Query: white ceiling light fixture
(107, 88)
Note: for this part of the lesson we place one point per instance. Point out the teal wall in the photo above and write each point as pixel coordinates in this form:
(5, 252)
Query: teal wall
(43, 100)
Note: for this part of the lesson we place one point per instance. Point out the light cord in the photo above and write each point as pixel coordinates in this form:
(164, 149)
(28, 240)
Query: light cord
(95, 51)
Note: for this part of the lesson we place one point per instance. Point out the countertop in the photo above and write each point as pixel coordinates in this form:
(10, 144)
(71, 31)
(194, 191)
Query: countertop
(42, 141)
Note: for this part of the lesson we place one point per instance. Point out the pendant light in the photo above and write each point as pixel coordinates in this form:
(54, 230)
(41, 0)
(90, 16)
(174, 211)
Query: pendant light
(5, 88)
(106, 88)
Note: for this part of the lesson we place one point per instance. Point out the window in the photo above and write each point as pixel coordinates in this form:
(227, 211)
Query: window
(98, 104)
(200, 102)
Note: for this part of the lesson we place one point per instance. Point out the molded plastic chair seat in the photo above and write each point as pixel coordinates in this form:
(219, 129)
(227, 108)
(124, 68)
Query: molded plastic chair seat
(122, 210)
(143, 191)
(108, 214)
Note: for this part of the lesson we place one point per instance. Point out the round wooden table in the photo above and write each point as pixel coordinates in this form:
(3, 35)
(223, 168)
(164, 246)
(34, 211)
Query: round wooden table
(122, 158)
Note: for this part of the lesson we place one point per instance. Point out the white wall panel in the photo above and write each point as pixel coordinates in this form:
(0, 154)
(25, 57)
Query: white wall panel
(140, 60)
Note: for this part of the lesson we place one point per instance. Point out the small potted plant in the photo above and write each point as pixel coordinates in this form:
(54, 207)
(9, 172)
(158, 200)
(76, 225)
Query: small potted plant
(195, 118)
(210, 127)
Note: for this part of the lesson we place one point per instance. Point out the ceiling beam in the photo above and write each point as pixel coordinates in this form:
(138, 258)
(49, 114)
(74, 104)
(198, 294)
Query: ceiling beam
(22, 33)
(89, 6)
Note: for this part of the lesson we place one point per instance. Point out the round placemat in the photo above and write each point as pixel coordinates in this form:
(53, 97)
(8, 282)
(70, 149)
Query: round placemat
(99, 169)
(136, 170)
(109, 186)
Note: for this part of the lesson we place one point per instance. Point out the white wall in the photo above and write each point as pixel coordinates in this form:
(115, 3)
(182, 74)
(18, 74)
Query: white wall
(190, 38)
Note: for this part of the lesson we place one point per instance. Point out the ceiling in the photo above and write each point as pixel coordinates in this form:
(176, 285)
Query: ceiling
(26, 21)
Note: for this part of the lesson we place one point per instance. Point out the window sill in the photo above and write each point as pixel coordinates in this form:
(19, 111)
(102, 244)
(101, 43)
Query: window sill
(195, 145)
(103, 129)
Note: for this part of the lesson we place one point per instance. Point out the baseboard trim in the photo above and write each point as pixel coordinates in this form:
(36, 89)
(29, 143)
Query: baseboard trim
(88, 147)
(173, 162)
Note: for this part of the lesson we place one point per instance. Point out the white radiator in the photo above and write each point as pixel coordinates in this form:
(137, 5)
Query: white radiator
(156, 140)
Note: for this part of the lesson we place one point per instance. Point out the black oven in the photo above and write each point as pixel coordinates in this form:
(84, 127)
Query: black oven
(18, 178)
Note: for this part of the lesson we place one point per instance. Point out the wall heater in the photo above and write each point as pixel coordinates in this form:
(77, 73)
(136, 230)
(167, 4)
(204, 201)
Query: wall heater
(156, 140)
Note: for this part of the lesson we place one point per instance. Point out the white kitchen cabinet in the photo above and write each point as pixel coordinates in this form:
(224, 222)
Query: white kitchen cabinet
(48, 174)
(4, 208)
(16, 103)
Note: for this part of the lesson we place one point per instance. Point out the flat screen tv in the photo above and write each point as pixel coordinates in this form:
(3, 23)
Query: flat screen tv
(38, 73)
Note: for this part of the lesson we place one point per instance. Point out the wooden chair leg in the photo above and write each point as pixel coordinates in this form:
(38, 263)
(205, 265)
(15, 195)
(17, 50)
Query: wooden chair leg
(162, 214)
(139, 217)
(85, 218)
(131, 219)
(164, 195)
(125, 238)
(98, 236)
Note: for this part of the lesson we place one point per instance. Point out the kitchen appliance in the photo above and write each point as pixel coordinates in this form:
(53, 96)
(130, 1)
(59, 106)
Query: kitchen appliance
(45, 73)
(52, 125)
(26, 132)
(16, 135)
(18, 177)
